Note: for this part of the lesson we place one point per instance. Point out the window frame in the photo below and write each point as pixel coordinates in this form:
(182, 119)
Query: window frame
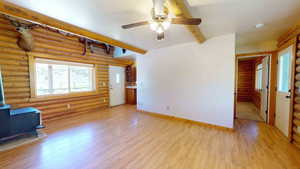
(279, 76)
(32, 72)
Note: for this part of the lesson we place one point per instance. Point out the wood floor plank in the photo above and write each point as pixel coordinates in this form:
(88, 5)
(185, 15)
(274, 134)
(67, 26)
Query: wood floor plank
(123, 138)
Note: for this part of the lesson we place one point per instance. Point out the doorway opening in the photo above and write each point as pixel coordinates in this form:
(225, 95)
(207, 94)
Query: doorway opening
(252, 88)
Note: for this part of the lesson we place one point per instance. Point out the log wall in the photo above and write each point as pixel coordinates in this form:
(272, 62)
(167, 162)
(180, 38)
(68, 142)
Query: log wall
(246, 80)
(15, 70)
(296, 97)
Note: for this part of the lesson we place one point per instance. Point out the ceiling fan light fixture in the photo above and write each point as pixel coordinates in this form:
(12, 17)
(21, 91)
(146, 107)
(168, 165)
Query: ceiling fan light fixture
(160, 29)
(159, 26)
(153, 25)
(166, 24)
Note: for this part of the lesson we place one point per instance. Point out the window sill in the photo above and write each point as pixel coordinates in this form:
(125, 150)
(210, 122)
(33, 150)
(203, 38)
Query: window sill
(63, 96)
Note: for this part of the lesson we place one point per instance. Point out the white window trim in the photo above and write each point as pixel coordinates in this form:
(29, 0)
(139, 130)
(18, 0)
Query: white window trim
(33, 89)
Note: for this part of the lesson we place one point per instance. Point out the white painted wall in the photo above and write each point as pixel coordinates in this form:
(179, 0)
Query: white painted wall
(257, 47)
(192, 81)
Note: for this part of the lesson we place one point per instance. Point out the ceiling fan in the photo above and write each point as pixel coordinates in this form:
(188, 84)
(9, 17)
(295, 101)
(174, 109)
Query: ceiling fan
(161, 20)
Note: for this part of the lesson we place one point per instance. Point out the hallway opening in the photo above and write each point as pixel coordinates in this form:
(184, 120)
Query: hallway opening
(252, 88)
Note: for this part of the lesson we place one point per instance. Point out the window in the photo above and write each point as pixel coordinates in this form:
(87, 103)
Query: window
(284, 72)
(258, 77)
(117, 78)
(59, 77)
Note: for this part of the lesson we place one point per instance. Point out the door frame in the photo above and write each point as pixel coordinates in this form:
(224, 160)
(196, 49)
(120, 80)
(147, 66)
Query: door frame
(271, 87)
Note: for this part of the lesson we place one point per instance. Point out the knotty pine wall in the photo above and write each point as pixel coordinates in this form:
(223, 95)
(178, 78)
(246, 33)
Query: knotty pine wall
(246, 80)
(15, 71)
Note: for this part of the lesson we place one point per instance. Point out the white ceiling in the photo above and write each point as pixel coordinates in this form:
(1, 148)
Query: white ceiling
(218, 17)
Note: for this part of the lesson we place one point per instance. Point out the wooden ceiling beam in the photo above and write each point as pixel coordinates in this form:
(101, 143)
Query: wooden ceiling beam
(179, 9)
(256, 53)
(29, 15)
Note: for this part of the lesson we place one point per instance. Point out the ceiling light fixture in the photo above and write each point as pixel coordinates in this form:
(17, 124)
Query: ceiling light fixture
(259, 25)
(160, 26)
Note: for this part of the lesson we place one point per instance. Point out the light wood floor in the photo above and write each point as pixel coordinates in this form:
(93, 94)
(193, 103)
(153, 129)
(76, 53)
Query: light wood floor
(247, 111)
(121, 138)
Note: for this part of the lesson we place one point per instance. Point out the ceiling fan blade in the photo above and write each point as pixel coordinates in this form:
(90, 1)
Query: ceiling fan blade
(186, 21)
(160, 36)
(135, 25)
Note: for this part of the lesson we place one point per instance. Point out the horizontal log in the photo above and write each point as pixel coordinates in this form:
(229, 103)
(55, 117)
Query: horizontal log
(15, 73)
(13, 56)
(15, 79)
(16, 85)
(297, 99)
(6, 27)
(16, 90)
(9, 33)
(15, 102)
(16, 95)
(296, 138)
(297, 91)
(54, 116)
(52, 38)
(295, 130)
(297, 115)
(55, 34)
(297, 68)
(296, 122)
(297, 83)
(13, 62)
(65, 111)
(297, 76)
(13, 50)
(71, 103)
(298, 59)
(297, 107)
(296, 144)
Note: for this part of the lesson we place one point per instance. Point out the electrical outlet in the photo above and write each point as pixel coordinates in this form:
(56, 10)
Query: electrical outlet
(68, 106)
(103, 84)
(104, 100)
(168, 107)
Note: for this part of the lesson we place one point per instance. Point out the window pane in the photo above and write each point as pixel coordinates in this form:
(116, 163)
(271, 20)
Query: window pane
(42, 79)
(58, 77)
(284, 72)
(258, 77)
(60, 80)
(117, 78)
(81, 79)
